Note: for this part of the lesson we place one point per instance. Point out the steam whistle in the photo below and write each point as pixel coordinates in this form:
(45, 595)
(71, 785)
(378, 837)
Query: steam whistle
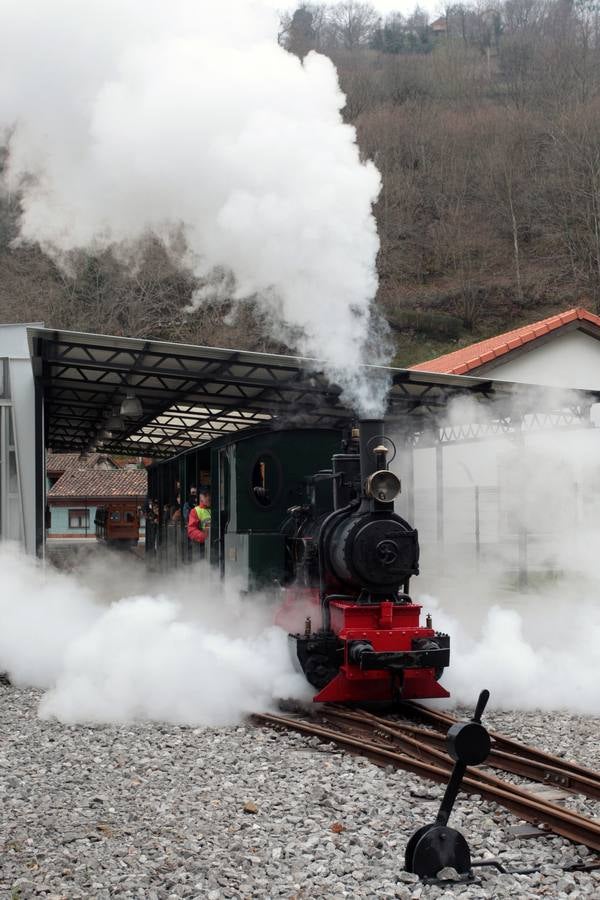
(435, 847)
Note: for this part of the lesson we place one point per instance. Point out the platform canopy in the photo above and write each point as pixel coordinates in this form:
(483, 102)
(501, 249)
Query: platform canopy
(189, 395)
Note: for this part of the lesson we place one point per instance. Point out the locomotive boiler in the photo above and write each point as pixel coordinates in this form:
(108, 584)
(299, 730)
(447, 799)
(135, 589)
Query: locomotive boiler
(353, 558)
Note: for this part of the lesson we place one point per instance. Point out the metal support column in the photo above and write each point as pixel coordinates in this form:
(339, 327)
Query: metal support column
(408, 479)
(522, 568)
(477, 528)
(439, 492)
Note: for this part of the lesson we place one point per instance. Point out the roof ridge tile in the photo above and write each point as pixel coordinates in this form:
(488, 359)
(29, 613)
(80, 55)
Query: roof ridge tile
(458, 362)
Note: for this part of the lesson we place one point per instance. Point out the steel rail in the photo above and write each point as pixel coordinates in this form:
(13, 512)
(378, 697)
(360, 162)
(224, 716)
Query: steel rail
(503, 743)
(415, 746)
(564, 776)
(532, 809)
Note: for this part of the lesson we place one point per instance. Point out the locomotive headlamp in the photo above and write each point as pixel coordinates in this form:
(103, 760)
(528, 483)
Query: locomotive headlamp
(383, 486)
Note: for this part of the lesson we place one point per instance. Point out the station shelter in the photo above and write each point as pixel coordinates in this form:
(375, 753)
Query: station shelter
(72, 392)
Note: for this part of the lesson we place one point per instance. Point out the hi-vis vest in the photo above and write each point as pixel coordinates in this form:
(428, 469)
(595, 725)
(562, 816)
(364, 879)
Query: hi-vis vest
(203, 516)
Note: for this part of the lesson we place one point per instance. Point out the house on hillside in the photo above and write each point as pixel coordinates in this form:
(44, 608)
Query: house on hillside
(439, 27)
(77, 485)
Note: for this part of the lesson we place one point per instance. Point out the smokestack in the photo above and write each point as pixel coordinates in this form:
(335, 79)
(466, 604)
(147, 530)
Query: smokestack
(370, 431)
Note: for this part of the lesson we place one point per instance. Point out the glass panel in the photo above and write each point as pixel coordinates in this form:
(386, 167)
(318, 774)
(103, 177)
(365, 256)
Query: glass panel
(266, 480)
(13, 481)
(79, 518)
(11, 512)
(14, 519)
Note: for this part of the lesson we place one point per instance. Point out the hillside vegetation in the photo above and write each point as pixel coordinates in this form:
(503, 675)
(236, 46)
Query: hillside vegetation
(486, 131)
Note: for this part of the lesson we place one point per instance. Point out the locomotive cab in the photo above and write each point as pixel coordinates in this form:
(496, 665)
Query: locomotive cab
(353, 558)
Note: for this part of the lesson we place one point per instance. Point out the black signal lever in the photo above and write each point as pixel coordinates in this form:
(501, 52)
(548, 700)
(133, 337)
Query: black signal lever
(435, 847)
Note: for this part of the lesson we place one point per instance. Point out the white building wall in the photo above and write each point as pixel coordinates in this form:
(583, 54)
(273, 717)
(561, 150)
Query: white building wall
(19, 519)
(569, 360)
(546, 488)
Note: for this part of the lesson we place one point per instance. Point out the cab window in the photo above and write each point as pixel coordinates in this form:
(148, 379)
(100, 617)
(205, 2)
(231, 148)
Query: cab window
(266, 480)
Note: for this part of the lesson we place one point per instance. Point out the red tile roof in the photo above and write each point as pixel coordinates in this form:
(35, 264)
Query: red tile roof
(100, 484)
(57, 463)
(461, 362)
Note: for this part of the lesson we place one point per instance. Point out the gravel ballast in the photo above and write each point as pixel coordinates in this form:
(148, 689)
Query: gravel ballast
(156, 811)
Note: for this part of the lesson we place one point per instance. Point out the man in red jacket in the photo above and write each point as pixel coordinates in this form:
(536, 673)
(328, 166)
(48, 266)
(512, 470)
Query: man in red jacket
(198, 524)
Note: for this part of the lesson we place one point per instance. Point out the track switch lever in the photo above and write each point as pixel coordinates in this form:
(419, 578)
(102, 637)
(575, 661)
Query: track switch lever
(435, 847)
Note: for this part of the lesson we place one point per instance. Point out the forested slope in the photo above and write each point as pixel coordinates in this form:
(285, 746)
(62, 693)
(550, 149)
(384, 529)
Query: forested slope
(486, 134)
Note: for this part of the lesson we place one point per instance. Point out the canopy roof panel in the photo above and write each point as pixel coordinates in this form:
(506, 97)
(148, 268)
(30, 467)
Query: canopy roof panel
(191, 394)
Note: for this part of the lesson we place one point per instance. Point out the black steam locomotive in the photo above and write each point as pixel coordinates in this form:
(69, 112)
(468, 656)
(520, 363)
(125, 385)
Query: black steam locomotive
(310, 513)
(353, 558)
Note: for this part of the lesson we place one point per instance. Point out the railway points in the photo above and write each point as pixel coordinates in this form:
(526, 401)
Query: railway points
(392, 741)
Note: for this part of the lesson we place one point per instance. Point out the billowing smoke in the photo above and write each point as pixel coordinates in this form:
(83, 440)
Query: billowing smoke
(186, 651)
(515, 580)
(125, 116)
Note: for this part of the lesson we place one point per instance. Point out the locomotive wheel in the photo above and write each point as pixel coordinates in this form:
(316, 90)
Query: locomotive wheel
(319, 670)
(431, 645)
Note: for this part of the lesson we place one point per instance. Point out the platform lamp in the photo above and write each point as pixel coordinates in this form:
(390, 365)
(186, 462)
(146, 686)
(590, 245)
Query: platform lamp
(131, 408)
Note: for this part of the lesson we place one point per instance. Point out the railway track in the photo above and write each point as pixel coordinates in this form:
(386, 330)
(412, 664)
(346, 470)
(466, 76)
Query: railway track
(421, 750)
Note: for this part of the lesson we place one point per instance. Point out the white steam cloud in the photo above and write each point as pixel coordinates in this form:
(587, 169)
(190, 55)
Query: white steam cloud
(125, 116)
(190, 652)
(543, 655)
(522, 608)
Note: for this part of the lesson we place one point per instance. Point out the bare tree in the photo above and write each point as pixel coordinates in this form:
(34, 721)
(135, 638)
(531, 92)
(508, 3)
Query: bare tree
(353, 23)
(572, 194)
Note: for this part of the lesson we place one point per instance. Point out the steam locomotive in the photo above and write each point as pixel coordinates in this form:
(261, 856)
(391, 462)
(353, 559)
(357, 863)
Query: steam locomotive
(309, 514)
(353, 558)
